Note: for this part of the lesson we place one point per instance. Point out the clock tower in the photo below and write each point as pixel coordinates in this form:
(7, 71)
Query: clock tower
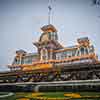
(47, 43)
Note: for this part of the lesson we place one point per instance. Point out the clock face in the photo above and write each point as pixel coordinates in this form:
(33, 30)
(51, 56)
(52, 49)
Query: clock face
(44, 38)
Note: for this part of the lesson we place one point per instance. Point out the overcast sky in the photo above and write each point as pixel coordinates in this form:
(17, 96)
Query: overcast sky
(20, 22)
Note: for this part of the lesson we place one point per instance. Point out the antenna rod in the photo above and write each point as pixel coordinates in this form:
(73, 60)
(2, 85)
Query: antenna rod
(49, 12)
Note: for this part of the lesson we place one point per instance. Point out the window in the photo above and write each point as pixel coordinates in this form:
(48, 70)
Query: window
(91, 49)
(18, 62)
(69, 53)
(65, 54)
(44, 54)
(53, 35)
(86, 50)
(77, 52)
(73, 52)
(22, 61)
(82, 50)
(58, 56)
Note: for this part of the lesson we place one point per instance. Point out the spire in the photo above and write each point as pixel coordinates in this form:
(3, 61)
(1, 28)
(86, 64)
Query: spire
(49, 12)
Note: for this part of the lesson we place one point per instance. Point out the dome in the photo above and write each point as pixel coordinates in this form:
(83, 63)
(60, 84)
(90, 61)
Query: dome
(48, 36)
(49, 33)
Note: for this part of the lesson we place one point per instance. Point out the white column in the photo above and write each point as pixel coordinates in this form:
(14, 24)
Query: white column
(20, 58)
(50, 53)
(41, 54)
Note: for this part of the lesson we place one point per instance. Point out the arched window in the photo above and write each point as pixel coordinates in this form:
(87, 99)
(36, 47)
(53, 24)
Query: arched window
(77, 53)
(82, 50)
(86, 50)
